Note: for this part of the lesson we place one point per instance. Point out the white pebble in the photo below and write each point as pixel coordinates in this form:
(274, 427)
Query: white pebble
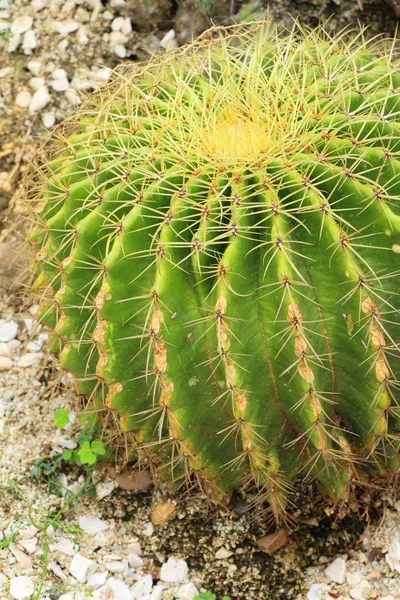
(23, 99)
(120, 50)
(59, 74)
(97, 579)
(81, 568)
(142, 587)
(21, 24)
(357, 592)
(21, 557)
(73, 97)
(393, 554)
(148, 529)
(126, 26)
(64, 546)
(21, 587)
(116, 566)
(4, 349)
(35, 67)
(6, 71)
(336, 571)
(354, 578)
(8, 331)
(40, 99)
(174, 570)
(119, 589)
(60, 85)
(187, 592)
(168, 42)
(223, 553)
(66, 27)
(317, 591)
(38, 5)
(82, 36)
(14, 344)
(28, 359)
(117, 23)
(57, 570)
(4, 25)
(29, 545)
(35, 83)
(134, 560)
(105, 489)
(29, 41)
(2, 581)
(101, 74)
(92, 525)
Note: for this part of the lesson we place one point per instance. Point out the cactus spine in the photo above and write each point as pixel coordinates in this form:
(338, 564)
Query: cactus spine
(217, 240)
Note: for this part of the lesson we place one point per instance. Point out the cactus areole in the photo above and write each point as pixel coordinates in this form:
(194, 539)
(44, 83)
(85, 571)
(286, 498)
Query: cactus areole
(217, 252)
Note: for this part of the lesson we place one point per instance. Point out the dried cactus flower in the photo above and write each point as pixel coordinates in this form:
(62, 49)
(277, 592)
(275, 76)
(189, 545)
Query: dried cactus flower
(217, 251)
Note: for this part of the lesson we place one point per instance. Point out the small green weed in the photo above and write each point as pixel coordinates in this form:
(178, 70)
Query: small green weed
(209, 596)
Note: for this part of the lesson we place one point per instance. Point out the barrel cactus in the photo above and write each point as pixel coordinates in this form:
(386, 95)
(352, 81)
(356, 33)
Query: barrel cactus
(217, 253)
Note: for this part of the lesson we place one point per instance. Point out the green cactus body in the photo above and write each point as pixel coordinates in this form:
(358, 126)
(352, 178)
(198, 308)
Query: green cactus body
(217, 241)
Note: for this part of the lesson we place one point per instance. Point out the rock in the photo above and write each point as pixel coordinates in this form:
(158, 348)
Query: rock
(357, 592)
(73, 97)
(21, 557)
(354, 578)
(174, 570)
(81, 568)
(23, 99)
(120, 50)
(40, 99)
(142, 587)
(97, 579)
(102, 74)
(117, 23)
(272, 542)
(92, 525)
(317, 591)
(135, 481)
(126, 26)
(134, 560)
(187, 592)
(36, 83)
(222, 553)
(29, 41)
(21, 587)
(5, 71)
(119, 589)
(60, 85)
(105, 489)
(148, 530)
(66, 27)
(5, 363)
(116, 566)
(157, 593)
(393, 554)
(8, 331)
(336, 571)
(57, 570)
(29, 359)
(29, 545)
(82, 35)
(59, 74)
(4, 349)
(169, 42)
(48, 119)
(162, 512)
(38, 5)
(64, 546)
(21, 24)
(35, 67)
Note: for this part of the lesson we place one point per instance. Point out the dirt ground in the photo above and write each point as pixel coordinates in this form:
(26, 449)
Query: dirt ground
(331, 554)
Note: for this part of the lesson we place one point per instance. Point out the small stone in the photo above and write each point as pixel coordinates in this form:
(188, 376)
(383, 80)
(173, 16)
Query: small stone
(48, 119)
(373, 576)
(92, 525)
(5, 71)
(38, 5)
(105, 489)
(117, 23)
(73, 97)
(23, 99)
(223, 553)
(59, 74)
(169, 42)
(126, 26)
(21, 557)
(40, 99)
(64, 546)
(82, 35)
(162, 512)
(29, 359)
(29, 545)
(148, 530)
(336, 571)
(116, 566)
(21, 587)
(354, 578)
(97, 579)
(101, 74)
(156, 593)
(36, 83)
(134, 560)
(57, 570)
(29, 41)
(317, 591)
(357, 592)
(5, 363)
(8, 331)
(13, 344)
(120, 50)
(81, 568)
(35, 67)
(273, 541)
(135, 481)
(66, 27)
(60, 85)
(174, 570)
(393, 554)
(119, 589)
(187, 592)
(142, 587)
(4, 349)
(21, 24)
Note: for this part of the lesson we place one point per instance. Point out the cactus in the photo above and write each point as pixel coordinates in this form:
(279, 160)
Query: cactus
(217, 252)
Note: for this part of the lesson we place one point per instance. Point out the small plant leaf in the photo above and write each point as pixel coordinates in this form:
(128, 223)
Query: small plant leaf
(61, 417)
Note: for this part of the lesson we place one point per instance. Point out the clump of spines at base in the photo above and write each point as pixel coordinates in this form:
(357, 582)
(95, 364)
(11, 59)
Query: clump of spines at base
(217, 240)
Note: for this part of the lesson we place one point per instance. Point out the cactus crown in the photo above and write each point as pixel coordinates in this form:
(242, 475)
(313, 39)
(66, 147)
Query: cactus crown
(217, 239)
